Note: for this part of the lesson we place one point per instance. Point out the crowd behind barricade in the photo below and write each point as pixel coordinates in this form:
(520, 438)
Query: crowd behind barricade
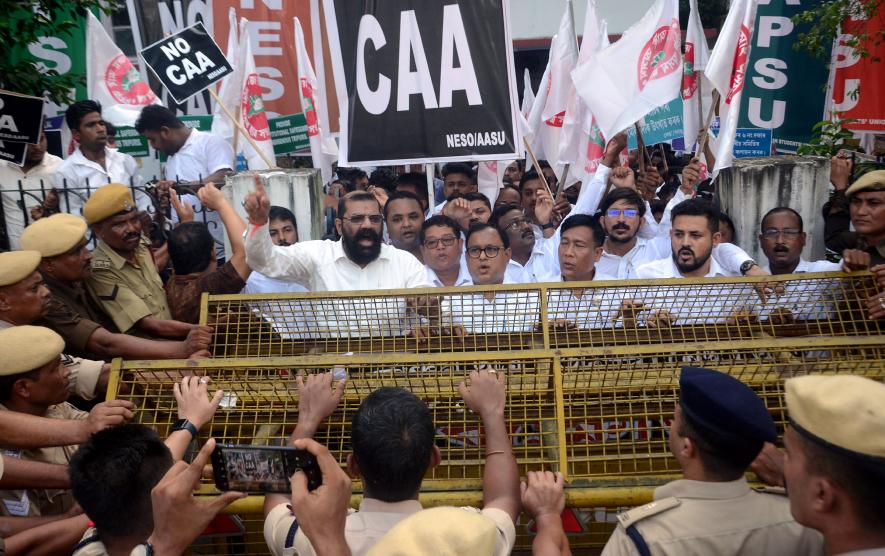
(117, 270)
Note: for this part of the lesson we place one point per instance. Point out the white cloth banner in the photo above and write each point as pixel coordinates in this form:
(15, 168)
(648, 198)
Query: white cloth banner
(694, 84)
(241, 94)
(112, 80)
(727, 72)
(638, 73)
(323, 149)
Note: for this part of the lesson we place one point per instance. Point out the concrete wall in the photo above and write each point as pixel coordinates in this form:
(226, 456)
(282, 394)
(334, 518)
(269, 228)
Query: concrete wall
(753, 186)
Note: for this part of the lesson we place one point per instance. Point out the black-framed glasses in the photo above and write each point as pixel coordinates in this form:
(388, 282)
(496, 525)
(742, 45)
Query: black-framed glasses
(491, 252)
(773, 233)
(358, 219)
(447, 241)
(517, 222)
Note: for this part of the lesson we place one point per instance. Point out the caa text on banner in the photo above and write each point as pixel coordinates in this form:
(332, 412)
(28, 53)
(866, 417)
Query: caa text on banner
(21, 117)
(187, 62)
(783, 91)
(12, 151)
(459, 102)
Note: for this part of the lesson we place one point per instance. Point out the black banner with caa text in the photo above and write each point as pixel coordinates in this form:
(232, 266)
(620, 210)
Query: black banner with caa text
(423, 80)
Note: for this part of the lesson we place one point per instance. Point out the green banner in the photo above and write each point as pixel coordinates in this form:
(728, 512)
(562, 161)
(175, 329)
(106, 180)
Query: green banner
(203, 123)
(289, 134)
(131, 142)
(784, 91)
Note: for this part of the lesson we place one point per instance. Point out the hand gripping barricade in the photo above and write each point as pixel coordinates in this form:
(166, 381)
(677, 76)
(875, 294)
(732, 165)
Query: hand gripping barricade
(592, 372)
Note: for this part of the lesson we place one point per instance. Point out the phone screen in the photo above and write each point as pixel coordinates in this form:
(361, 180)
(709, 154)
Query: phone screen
(261, 468)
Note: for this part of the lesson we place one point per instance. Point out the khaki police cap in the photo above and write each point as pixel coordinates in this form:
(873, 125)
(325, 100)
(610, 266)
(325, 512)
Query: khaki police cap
(871, 181)
(54, 235)
(842, 411)
(15, 266)
(108, 201)
(444, 531)
(27, 348)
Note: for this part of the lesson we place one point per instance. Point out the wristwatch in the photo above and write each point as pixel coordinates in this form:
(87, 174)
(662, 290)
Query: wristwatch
(184, 424)
(548, 225)
(747, 265)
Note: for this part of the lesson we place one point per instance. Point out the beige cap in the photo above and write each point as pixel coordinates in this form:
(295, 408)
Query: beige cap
(444, 531)
(871, 181)
(108, 201)
(54, 235)
(845, 411)
(27, 348)
(15, 266)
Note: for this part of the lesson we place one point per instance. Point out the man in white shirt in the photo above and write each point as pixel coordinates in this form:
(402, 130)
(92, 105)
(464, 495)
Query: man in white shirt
(404, 215)
(23, 187)
(195, 158)
(694, 234)
(358, 261)
(93, 164)
(443, 248)
(533, 260)
(458, 178)
(283, 232)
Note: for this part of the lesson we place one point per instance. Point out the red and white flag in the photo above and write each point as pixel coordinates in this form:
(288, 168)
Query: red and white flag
(581, 144)
(696, 89)
(490, 177)
(323, 149)
(638, 73)
(727, 72)
(241, 94)
(112, 80)
(548, 111)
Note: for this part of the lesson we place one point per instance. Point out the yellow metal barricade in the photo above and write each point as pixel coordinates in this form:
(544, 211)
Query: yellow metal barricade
(592, 372)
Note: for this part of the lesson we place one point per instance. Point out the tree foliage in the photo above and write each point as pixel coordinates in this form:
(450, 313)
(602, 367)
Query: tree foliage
(825, 20)
(26, 21)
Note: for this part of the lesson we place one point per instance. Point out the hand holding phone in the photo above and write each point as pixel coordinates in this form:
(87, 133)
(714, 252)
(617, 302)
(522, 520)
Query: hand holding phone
(260, 469)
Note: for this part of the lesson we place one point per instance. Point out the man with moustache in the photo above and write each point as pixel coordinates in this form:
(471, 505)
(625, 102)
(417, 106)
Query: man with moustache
(443, 249)
(404, 215)
(124, 281)
(358, 261)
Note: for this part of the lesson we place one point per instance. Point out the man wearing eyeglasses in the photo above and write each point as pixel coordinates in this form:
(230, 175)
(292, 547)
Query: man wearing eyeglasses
(443, 249)
(533, 260)
(358, 261)
(488, 252)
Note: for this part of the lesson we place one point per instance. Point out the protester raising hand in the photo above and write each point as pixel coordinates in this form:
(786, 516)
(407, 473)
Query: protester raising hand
(257, 204)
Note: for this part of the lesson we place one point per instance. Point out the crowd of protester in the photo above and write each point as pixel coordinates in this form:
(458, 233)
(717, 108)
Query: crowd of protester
(119, 273)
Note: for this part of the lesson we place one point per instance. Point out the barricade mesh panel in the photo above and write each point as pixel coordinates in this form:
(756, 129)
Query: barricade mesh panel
(589, 394)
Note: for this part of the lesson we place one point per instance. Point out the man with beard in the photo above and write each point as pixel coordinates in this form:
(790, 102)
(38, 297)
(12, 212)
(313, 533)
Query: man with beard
(34, 176)
(124, 281)
(358, 261)
(404, 215)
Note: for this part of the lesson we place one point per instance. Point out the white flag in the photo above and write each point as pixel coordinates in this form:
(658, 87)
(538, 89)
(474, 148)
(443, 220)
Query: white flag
(112, 80)
(696, 89)
(323, 149)
(241, 94)
(528, 95)
(638, 73)
(490, 177)
(580, 142)
(727, 71)
(548, 112)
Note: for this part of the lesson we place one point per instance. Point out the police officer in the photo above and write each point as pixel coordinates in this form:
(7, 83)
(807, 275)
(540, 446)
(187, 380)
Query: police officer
(835, 464)
(66, 262)
(124, 280)
(718, 428)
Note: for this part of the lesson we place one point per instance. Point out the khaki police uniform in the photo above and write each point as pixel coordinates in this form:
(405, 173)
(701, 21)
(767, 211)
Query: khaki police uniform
(365, 527)
(127, 291)
(25, 349)
(706, 518)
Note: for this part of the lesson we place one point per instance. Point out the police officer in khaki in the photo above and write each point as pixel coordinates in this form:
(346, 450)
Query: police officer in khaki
(61, 240)
(718, 428)
(124, 280)
(24, 299)
(34, 381)
(835, 463)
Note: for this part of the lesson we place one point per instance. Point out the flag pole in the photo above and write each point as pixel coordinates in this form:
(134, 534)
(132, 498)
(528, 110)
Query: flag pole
(242, 129)
(643, 152)
(561, 186)
(537, 166)
(700, 97)
(705, 132)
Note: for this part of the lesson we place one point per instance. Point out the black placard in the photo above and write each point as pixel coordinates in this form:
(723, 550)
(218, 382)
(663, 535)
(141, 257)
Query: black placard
(12, 151)
(460, 61)
(187, 62)
(21, 117)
